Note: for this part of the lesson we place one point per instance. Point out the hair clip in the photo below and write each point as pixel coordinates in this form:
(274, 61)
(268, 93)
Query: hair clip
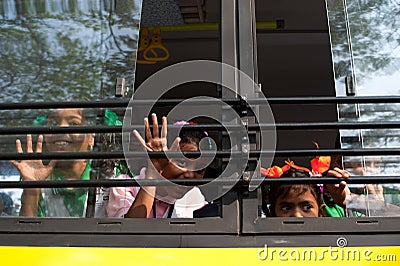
(275, 171)
(183, 122)
(319, 165)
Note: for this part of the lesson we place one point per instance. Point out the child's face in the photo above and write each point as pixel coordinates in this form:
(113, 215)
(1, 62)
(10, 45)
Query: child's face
(297, 205)
(177, 170)
(67, 142)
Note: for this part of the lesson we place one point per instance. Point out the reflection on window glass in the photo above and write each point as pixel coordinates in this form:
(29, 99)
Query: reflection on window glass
(373, 199)
(372, 34)
(56, 50)
(365, 44)
(10, 199)
(60, 50)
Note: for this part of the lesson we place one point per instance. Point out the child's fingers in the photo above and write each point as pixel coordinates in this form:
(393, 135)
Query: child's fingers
(18, 146)
(345, 174)
(175, 144)
(15, 163)
(39, 144)
(193, 175)
(337, 172)
(52, 163)
(141, 141)
(334, 173)
(164, 127)
(29, 143)
(155, 125)
(147, 129)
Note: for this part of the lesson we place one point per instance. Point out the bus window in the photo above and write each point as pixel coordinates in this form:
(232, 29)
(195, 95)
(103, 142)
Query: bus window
(58, 52)
(365, 55)
(288, 66)
(85, 60)
(327, 68)
(169, 36)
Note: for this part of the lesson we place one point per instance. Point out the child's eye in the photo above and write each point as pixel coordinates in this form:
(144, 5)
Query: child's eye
(285, 208)
(74, 123)
(307, 207)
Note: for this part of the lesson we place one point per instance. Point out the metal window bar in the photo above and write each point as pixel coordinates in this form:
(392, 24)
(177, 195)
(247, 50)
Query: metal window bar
(168, 102)
(193, 154)
(192, 182)
(206, 127)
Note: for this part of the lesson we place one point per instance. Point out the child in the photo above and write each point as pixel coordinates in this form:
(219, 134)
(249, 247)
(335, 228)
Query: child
(294, 200)
(304, 200)
(56, 202)
(161, 201)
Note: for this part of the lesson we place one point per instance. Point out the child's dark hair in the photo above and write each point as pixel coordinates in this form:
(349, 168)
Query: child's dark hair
(271, 193)
(192, 136)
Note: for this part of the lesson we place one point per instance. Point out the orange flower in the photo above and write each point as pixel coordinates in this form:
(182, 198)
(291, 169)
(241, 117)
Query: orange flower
(274, 171)
(321, 164)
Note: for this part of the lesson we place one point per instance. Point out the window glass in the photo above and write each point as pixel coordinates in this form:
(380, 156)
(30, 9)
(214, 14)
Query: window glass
(365, 50)
(64, 51)
(59, 51)
(294, 60)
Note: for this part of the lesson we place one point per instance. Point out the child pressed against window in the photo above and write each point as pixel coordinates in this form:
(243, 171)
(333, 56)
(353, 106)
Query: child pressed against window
(56, 202)
(295, 200)
(162, 201)
(304, 200)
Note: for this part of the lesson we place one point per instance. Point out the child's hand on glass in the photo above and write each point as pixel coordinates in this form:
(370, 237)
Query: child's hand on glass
(155, 143)
(32, 170)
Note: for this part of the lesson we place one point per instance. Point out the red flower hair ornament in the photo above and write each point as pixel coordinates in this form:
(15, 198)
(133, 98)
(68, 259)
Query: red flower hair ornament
(275, 171)
(319, 165)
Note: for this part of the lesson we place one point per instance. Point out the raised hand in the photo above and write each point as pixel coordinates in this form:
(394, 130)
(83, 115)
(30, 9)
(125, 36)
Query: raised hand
(155, 142)
(32, 170)
(338, 191)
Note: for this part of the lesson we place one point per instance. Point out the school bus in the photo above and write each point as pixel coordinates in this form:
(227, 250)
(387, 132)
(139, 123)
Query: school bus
(284, 74)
